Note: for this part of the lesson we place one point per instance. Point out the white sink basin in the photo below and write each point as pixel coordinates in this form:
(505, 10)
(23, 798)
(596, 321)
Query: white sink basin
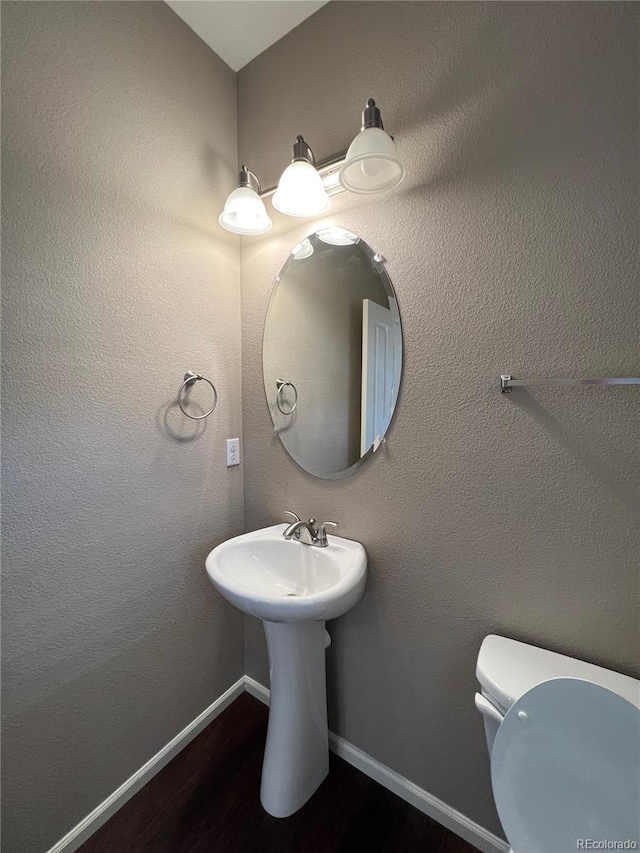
(265, 575)
(293, 588)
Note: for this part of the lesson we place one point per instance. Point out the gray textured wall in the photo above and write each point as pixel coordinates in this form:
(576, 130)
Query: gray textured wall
(511, 245)
(119, 147)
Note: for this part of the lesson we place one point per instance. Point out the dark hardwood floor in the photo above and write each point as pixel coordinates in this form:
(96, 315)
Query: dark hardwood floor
(207, 801)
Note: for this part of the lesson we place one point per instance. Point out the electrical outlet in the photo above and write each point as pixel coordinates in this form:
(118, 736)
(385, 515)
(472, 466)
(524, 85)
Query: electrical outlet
(233, 452)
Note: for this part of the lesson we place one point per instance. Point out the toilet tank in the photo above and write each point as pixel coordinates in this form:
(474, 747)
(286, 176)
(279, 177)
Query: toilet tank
(507, 669)
(492, 719)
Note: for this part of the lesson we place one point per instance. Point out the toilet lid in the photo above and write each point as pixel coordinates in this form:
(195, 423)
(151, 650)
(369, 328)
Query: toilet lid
(565, 766)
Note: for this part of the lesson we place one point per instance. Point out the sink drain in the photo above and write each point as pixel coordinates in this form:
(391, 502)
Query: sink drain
(292, 594)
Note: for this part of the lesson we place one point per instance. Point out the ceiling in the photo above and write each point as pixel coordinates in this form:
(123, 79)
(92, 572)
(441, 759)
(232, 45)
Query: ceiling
(238, 30)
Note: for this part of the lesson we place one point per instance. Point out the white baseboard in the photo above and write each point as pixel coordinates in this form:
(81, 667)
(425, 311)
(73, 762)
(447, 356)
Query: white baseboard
(434, 808)
(257, 690)
(421, 799)
(101, 814)
(403, 788)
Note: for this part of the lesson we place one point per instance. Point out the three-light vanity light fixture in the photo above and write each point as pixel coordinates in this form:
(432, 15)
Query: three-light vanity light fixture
(370, 165)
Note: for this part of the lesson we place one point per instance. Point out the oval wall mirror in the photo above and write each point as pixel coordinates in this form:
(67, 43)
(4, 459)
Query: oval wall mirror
(332, 353)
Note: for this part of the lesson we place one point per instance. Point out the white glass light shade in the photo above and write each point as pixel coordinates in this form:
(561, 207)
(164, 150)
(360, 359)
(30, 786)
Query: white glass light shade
(337, 237)
(371, 164)
(245, 213)
(300, 191)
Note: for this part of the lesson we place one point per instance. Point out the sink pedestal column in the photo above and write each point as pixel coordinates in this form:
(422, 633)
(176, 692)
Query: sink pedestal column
(296, 757)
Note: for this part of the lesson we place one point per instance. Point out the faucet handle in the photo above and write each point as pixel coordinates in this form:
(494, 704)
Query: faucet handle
(294, 515)
(321, 535)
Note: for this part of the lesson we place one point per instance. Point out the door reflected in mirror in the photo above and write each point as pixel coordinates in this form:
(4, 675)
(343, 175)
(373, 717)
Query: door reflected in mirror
(332, 353)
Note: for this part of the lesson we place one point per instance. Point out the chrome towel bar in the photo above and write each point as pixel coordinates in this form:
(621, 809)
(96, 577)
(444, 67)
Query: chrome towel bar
(507, 382)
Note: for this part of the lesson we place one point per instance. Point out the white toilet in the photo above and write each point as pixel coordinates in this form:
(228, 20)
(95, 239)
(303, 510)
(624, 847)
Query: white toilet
(564, 740)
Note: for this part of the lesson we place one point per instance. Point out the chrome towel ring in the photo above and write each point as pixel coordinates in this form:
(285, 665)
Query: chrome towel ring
(280, 385)
(189, 379)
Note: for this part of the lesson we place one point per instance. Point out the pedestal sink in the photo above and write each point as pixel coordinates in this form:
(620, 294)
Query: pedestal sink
(294, 588)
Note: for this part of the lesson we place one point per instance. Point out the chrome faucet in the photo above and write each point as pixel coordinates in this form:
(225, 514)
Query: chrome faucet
(307, 532)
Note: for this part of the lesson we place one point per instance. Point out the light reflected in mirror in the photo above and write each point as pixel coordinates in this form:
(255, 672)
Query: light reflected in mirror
(332, 353)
